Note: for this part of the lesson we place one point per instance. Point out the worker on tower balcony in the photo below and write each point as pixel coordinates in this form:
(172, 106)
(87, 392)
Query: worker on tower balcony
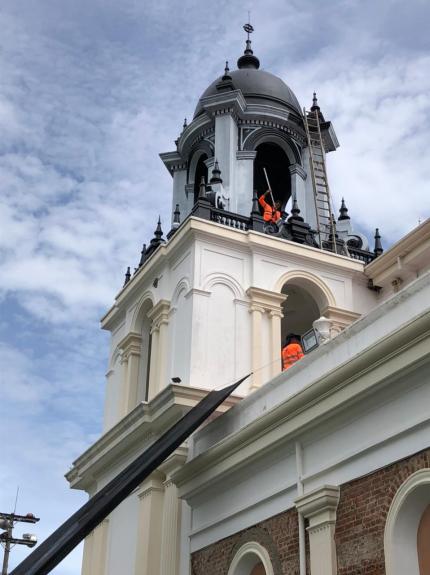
(271, 214)
(292, 351)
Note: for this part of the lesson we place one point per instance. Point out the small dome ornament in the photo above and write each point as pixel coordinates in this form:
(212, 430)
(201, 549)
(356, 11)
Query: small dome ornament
(248, 60)
(343, 212)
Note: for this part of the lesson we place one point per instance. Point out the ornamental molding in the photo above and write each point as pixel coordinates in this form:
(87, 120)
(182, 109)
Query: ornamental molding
(319, 506)
(159, 314)
(296, 169)
(267, 300)
(129, 345)
(246, 154)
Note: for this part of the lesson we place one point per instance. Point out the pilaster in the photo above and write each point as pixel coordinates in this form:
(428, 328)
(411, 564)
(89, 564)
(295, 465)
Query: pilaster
(319, 506)
(171, 522)
(148, 552)
(95, 550)
(244, 181)
(298, 188)
(131, 348)
(159, 315)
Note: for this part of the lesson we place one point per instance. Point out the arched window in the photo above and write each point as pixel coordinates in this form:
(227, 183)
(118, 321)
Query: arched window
(300, 310)
(273, 158)
(251, 559)
(407, 529)
(145, 352)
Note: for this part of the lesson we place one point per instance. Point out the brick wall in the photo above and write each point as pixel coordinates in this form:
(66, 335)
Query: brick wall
(362, 512)
(361, 515)
(279, 535)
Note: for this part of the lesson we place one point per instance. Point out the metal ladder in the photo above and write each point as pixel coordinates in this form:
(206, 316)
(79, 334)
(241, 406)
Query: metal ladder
(323, 205)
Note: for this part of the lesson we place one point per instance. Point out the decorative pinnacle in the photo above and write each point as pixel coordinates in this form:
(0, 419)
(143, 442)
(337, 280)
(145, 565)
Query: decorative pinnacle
(158, 231)
(177, 216)
(343, 212)
(255, 209)
(216, 174)
(202, 189)
(295, 210)
(142, 256)
(127, 276)
(185, 123)
(248, 60)
(315, 102)
(378, 250)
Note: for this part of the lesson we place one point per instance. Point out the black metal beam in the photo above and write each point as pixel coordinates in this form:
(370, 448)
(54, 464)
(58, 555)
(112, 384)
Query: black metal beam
(53, 550)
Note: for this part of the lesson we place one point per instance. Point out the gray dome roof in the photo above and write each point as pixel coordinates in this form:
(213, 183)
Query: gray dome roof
(258, 87)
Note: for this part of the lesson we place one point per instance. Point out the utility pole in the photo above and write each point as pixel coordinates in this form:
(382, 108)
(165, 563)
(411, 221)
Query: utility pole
(7, 523)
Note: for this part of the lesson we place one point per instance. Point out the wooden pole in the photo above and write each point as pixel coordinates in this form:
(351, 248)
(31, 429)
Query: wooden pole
(270, 189)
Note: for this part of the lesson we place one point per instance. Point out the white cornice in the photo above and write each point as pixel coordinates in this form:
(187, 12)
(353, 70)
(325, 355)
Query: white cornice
(136, 431)
(410, 254)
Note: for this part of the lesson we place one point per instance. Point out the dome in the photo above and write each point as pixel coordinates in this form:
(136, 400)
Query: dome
(258, 87)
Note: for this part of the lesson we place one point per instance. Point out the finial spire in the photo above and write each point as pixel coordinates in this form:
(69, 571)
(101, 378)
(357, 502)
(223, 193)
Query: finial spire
(343, 212)
(314, 103)
(248, 60)
(185, 123)
(378, 250)
(295, 211)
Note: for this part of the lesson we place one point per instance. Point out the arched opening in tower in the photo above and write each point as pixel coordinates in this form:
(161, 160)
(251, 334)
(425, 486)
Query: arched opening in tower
(300, 310)
(201, 171)
(273, 158)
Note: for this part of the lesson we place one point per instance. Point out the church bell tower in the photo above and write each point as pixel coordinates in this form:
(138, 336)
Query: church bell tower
(215, 298)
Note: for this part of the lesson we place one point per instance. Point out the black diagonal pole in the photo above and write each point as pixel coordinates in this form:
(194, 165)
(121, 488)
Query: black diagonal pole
(43, 559)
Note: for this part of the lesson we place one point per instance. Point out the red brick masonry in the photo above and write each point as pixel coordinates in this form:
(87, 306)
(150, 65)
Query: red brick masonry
(361, 515)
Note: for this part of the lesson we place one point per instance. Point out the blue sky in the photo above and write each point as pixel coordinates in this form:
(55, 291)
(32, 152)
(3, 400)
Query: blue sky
(90, 92)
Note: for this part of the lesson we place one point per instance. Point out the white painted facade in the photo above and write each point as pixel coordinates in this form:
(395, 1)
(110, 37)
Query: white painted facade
(358, 403)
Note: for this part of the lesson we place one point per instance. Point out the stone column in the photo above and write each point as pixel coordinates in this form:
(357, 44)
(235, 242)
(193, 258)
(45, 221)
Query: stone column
(257, 312)
(148, 550)
(265, 301)
(276, 315)
(159, 315)
(319, 506)
(171, 523)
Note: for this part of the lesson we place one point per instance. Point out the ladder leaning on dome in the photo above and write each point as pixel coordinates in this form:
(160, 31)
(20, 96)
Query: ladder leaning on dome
(323, 204)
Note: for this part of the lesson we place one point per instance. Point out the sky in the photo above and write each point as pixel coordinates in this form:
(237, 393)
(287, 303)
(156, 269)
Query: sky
(91, 91)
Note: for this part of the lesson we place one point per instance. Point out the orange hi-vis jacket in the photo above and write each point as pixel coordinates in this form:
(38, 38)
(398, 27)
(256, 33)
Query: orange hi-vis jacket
(290, 354)
(270, 214)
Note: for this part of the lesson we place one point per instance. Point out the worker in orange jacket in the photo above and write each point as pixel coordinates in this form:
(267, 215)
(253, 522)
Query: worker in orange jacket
(271, 213)
(292, 351)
